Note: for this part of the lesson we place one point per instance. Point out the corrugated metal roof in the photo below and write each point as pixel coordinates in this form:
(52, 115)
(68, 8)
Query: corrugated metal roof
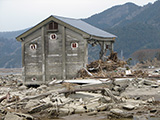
(85, 27)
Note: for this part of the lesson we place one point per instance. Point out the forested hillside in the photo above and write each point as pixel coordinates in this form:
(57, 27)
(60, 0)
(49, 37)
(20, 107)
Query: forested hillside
(10, 49)
(137, 27)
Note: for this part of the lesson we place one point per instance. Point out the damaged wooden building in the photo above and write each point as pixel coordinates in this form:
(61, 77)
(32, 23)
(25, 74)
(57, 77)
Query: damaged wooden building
(57, 48)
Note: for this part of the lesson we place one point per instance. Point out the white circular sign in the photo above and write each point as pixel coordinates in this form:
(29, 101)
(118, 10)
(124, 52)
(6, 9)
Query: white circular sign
(33, 46)
(53, 36)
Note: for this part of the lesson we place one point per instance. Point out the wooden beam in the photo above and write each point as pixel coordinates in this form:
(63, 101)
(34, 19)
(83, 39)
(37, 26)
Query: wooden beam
(63, 53)
(101, 54)
(43, 55)
(85, 53)
(23, 62)
(111, 47)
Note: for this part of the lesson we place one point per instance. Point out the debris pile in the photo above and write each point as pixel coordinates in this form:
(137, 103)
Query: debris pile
(111, 68)
(140, 73)
(116, 98)
(151, 64)
(101, 68)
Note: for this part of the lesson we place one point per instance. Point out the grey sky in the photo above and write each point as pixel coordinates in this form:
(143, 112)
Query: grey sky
(21, 14)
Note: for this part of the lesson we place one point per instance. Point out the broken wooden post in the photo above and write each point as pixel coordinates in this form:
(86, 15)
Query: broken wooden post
(101, 54)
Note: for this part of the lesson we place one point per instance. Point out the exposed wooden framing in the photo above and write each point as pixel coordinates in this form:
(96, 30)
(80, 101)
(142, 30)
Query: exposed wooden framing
(101, 54)
(112, 47)
(86, 53)
(43, 55)
(102, 44)
(63, 53)
(23, 62)
(101, 38)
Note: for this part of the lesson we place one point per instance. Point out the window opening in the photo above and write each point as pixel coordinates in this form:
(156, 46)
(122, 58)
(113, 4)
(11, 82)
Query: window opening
(34, 79)
(106, 46)
(53, 36)
(74, 45)
(55, 25)
(51, 26)
(33, 46)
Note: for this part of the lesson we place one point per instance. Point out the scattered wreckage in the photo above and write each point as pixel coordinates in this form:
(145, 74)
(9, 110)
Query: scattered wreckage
(103, 87)
(120, 98)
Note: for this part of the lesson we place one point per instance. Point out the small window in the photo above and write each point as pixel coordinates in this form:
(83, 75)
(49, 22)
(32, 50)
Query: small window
(51, 26)
(106, 46)
(53, 36)
(34, 79)
(55, 25)
(74, 45)
(33, 46)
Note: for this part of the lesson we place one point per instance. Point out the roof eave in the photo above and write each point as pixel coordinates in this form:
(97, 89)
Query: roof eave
(20, 37)
(102, 38)
(52, 18)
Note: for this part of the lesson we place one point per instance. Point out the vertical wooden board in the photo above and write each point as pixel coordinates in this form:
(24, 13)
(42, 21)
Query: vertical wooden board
(54, 55)
(33, 58)
(34, 79)
(72, 35)
(53, 68)
(53, 58)
(43, 33)
(33, 35)
(85, 53)
(74, 57)
(63, 52)
(52, 77)
(54, 46)
(54, 71)
(72, 69)
(33, 69)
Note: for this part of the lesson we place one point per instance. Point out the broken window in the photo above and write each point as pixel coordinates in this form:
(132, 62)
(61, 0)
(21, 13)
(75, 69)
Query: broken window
(33, 46)
(74, 45)
(106, 46)
(53, 25)
(53, 36)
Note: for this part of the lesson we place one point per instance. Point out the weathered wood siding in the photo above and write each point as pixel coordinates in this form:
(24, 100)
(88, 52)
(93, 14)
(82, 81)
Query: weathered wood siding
(33, 58)
(59, 60)
(74, 57)
(54, 55)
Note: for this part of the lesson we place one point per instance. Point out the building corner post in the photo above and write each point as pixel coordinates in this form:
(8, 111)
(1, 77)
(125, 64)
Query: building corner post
(101, 54)
(85, 53)
(112, 47)
(63, 53)
(43, 55)
(23, 63)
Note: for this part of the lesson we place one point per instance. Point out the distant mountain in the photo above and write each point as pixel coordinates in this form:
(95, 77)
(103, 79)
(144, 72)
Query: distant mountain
(113, 16)
(137, 27)
(12, 34)
(10, 49)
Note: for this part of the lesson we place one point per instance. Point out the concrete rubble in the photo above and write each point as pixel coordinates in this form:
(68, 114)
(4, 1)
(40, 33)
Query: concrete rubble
(130, 97)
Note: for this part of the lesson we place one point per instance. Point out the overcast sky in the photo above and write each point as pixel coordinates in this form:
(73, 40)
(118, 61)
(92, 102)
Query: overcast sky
(21, 14)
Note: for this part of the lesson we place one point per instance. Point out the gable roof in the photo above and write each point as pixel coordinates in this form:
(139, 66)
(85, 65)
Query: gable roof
(76, 24)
